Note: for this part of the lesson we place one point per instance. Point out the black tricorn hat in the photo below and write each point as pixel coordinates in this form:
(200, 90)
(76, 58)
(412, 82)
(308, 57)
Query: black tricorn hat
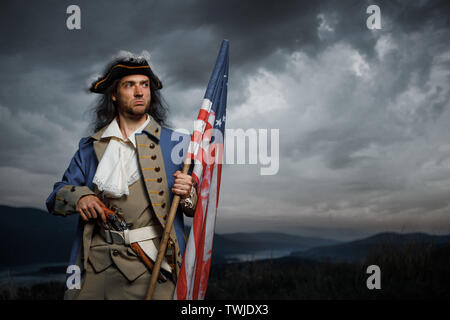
(122, 67)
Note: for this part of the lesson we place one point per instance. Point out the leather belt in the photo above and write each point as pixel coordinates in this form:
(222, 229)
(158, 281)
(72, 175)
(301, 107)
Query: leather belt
(129, 236)
(143, 236)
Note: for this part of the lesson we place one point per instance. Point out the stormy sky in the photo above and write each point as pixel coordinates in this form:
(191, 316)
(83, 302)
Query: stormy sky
(363, 115)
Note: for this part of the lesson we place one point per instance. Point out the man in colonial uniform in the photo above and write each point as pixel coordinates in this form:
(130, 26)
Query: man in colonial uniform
(129, 163)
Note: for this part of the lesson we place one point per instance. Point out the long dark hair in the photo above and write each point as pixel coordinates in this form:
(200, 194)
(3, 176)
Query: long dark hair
(105, 111)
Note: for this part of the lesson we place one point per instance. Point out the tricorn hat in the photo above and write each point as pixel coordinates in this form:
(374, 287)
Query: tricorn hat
(125, 64)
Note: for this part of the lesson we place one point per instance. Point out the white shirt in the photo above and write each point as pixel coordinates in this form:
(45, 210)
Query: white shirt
(119, 165)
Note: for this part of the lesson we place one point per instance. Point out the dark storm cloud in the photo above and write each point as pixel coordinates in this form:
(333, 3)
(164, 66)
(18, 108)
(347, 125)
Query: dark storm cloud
(359, 111)
(256, 30)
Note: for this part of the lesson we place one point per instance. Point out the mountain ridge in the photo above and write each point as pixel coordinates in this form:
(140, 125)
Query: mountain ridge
(358, 250)
(33, 236)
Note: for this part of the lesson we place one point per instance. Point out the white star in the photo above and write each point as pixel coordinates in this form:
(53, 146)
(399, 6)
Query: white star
(219, 122)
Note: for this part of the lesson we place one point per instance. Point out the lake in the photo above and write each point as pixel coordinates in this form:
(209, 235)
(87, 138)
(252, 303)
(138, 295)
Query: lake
(258, 255)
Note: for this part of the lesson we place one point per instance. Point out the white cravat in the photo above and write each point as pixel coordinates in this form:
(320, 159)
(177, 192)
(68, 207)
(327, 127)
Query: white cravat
(119, 166)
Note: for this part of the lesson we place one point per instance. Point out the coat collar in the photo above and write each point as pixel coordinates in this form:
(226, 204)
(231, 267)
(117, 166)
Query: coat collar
(153, 130)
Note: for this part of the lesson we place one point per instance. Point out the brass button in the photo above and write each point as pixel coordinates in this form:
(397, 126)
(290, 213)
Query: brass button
(152, 145)
(154, 157)
(157, 169)
(159, 180)
(115, 253)
(161, 193)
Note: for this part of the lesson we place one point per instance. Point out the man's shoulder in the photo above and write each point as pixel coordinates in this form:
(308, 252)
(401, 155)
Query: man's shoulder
(85, 140)
(86, 144)
(98, 134)
(85, 149)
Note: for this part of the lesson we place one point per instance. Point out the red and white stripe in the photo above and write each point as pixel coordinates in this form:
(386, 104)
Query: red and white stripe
(194, 273)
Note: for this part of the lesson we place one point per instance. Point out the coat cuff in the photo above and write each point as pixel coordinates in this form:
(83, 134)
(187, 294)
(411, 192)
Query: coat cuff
(67, 198)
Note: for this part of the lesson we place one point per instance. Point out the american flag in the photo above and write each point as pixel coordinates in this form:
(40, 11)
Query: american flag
(206, 150)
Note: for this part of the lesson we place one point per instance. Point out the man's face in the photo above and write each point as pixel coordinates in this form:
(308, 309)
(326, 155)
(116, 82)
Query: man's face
(133, 95)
